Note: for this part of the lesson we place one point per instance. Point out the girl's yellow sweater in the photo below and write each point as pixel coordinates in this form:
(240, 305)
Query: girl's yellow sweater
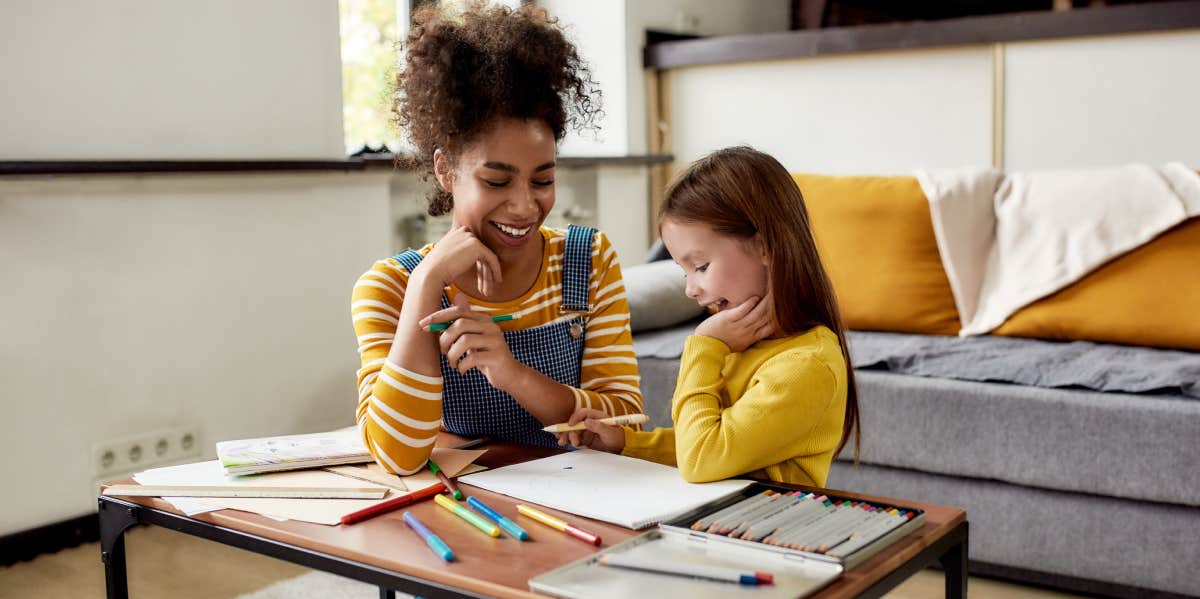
(773, 411)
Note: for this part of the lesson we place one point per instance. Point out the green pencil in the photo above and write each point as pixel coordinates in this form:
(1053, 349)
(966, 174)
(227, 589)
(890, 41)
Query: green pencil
(441, 326)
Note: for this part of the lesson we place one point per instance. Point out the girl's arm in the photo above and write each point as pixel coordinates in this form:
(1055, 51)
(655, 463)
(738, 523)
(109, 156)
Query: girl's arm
(776, 419)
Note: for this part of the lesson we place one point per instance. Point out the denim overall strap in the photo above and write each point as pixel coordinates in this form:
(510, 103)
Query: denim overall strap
(410, 260)
(473, 407)
(577, 268)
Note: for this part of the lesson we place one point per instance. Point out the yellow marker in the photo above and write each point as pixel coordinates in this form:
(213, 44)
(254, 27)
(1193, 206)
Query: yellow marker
(614, 420)
(558, 524)
(487, 527)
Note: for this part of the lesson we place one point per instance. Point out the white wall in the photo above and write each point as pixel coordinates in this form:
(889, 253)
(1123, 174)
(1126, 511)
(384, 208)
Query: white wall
(133, 304)
(129, 79)
(697, 17)
(610, 36)
(136, 303)
(874, 113)
(1103, 101)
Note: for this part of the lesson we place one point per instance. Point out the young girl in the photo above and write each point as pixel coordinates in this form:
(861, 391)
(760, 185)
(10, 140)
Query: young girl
(764, 385)
(484, 96)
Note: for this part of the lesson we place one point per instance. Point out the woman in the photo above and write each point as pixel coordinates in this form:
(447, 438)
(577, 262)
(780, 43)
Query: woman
(485, 98)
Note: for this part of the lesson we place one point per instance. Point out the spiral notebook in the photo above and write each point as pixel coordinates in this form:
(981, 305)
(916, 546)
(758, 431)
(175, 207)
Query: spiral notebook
(625, 491)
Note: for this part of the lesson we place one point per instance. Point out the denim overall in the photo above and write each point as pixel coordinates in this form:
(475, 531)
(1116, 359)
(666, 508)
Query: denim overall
(472, 407)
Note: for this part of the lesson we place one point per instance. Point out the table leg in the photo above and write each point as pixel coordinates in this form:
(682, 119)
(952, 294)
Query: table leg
(954, 563)
(114, 520)
(386, 593)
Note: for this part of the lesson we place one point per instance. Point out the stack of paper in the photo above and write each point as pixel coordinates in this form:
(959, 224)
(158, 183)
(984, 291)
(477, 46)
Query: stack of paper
(320, 511)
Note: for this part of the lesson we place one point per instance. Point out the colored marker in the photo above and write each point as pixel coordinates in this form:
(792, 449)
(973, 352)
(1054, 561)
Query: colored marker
(393, 504)
(441, 326)
(445, 479)
(440, 548)
(613, 420)
(684, 569)
(559, 524)
(487, 527)
(509, 526)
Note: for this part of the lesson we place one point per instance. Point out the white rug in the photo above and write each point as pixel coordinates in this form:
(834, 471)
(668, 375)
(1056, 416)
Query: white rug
(318, 584)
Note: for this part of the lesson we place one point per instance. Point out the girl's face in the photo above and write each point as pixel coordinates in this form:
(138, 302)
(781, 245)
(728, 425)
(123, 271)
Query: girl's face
(503, 184)
(722, 271)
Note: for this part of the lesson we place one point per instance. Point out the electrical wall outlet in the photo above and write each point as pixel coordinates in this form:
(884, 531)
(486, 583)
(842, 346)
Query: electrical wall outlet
(138, 452)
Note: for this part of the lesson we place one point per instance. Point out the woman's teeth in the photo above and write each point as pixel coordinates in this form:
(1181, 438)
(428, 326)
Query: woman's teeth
(719, 305)
(511, 231)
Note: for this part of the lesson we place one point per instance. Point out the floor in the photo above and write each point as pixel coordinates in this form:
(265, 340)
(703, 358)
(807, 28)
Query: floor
(163, 563)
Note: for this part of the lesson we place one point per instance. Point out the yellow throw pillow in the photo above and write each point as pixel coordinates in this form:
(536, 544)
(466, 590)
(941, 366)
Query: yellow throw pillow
(876, 241)
(1148, 296)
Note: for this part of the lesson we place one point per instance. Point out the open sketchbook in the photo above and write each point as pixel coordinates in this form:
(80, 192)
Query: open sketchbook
(292, 452)
(626, 491)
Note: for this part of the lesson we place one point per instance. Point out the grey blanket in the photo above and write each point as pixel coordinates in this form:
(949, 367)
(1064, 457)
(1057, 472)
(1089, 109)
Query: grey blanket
(1076, 364)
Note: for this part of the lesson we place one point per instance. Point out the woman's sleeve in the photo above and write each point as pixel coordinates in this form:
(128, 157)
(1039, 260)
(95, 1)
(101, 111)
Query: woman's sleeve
(399, 411)
(771, 422)
(609, 379)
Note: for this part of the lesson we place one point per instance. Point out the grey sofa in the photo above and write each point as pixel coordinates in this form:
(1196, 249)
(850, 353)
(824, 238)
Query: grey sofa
(1085, 489)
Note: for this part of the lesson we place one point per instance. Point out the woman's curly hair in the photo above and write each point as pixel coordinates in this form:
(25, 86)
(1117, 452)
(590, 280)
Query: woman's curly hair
(463, 70)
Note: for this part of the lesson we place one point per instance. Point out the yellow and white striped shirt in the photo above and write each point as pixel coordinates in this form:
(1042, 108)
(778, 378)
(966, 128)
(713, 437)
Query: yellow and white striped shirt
(400, 411)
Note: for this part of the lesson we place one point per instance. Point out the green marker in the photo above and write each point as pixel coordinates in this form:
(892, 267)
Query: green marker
(445, 480)
(441, 326)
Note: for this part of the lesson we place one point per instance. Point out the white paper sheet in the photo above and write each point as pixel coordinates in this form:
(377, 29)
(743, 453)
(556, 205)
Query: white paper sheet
(626, 491)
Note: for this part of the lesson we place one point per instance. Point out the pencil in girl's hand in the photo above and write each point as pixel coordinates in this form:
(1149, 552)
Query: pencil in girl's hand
(613, 420)
(441, 326)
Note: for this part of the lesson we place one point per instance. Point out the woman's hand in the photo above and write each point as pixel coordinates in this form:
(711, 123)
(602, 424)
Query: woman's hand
(474, 341)
(458, 251)
(604, 437)
(743, 325)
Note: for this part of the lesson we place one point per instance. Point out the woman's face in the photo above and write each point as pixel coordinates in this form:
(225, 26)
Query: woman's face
(722, 271)
(503, 184)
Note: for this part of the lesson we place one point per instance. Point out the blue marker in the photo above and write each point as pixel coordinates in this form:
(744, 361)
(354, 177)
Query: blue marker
(440, 548)
(508, 525)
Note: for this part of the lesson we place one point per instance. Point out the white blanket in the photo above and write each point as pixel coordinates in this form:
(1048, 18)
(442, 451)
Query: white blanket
(1009, 240)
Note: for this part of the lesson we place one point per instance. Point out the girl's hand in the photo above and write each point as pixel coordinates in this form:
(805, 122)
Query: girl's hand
(604, 437)
(458, 251)
(743, 325)
(474, 341)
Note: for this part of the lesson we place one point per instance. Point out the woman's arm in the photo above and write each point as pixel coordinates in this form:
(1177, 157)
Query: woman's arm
(400, 384)
(609, 379)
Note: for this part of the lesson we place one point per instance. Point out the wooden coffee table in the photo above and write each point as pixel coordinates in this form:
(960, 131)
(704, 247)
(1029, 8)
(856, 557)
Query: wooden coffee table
(383, 552)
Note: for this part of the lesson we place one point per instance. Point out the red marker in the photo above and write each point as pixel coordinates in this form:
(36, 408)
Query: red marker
(393, 504)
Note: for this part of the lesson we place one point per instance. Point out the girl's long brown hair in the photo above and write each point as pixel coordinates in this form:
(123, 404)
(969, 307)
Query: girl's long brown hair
(742, 192)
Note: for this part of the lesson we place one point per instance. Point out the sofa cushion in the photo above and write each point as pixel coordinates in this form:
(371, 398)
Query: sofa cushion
(655, 292)
(1148, 296)
(876, 241)
(1075, 364)
(1114, 444)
